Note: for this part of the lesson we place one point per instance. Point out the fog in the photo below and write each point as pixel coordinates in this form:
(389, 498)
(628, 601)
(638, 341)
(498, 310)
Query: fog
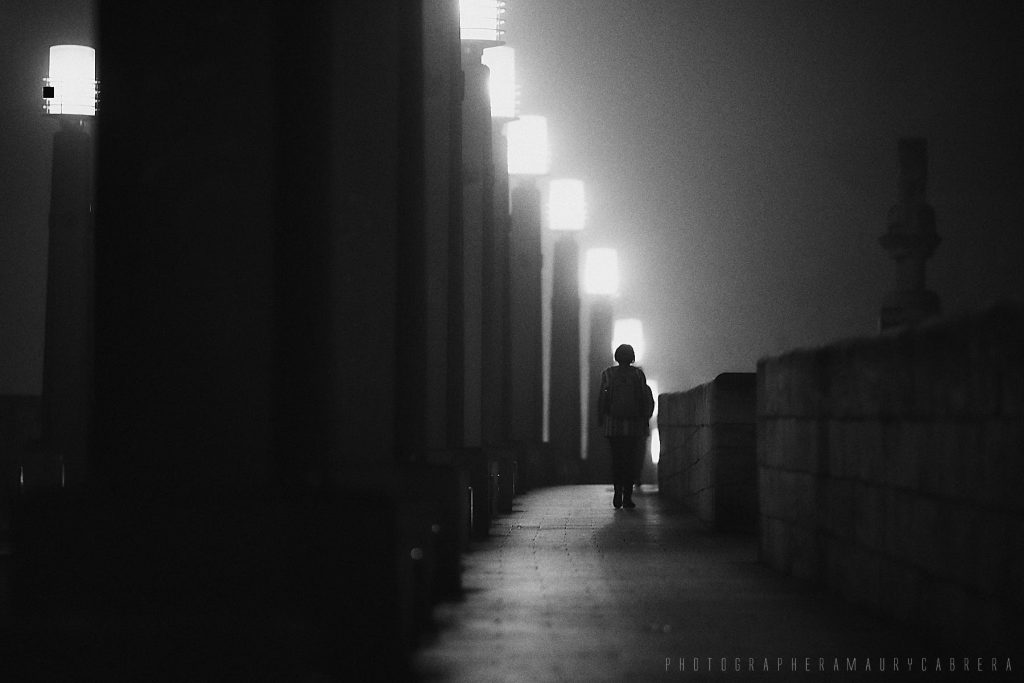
(742, 158)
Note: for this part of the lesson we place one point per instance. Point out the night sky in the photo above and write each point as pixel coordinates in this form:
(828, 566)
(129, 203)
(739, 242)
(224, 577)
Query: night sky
(741, 155)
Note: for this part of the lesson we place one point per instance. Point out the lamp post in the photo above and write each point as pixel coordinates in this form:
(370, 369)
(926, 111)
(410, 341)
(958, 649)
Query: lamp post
(69, 95)
(601, 284)
(528, 159)
(481, 27)
(500, 60)
(566, 217)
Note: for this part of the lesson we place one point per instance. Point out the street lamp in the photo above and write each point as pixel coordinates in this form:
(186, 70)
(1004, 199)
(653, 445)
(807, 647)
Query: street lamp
(71, 89)
(501, 60)
(481, 28)
(482, 20)
(528, 159)
(528, 152)
(566, 217)
(69, 95)
(601, 272)
(566, 206)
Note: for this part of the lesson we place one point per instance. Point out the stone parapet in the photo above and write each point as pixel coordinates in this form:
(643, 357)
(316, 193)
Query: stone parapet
(890, 468)
(708, 450)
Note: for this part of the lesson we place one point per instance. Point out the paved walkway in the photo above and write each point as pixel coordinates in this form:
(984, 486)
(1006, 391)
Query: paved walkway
(569, 589)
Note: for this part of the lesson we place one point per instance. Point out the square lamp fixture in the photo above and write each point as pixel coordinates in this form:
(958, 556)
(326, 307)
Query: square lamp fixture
(71, 87)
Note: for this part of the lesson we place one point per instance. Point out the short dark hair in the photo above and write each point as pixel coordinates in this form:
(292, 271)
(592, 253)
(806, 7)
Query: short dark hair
(624, 354)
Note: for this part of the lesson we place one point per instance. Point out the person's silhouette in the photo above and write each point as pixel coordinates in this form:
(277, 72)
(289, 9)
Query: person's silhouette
(623, 414)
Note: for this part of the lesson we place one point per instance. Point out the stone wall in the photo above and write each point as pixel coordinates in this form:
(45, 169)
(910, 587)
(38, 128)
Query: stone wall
(708, 441)
(890, 469)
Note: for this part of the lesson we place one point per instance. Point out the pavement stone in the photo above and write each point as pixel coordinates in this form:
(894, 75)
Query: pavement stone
(566, 588)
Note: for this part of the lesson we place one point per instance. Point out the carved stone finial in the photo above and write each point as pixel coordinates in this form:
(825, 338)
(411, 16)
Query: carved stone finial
(910, 239)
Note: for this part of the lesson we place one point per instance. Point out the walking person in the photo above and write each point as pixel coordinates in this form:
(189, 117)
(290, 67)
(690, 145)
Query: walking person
(624, 407)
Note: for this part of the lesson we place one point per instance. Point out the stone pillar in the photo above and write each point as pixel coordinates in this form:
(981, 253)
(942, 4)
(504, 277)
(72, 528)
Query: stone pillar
(564, 425)
(478, 321)
(502, 273)
(598, 465)
(910, 240)
(67, 366)
(478, 181)
(525, 315)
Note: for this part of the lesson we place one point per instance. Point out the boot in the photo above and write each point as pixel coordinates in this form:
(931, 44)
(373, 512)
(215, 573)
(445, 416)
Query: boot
(617, 498)
(627, 497)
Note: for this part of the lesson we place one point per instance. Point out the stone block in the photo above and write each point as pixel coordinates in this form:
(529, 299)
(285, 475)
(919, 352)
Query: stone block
(865, 454)
(805, 558)
(795, 442)
(959, 545)
(763, 499)
(861, 576)
(732, 399)
(927, 535)
(953, 444)
(734, 437)
(858, 376)
(789, 495)
(900, 591)
(837, 464)
(768, 453)
(1010, 369)
(1001, 468)
(869, 516)
(1015, 543)
(949, 377)
(943, 606)
(904, 444)
(895, 384)
(774, 548)
(839, 508)
(901, 525)
(994, 549)
(792, 385)
(834, 556)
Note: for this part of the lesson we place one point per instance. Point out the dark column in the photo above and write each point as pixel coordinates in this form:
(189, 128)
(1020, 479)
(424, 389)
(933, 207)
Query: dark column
(477, 212)
(502, 294)
(564, 399)
(260, 336)
(526, 340)
(67, 366)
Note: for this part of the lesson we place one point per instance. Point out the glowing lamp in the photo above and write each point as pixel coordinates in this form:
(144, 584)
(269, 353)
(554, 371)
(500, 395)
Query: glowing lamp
(601, 272)
(528, 146)
(566, 208)
(502, 86)
(655, 445)
(482, 20)
(70, 89)
(629, 331)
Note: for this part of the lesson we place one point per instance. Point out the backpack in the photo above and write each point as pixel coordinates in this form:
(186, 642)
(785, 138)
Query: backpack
(626, 395)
